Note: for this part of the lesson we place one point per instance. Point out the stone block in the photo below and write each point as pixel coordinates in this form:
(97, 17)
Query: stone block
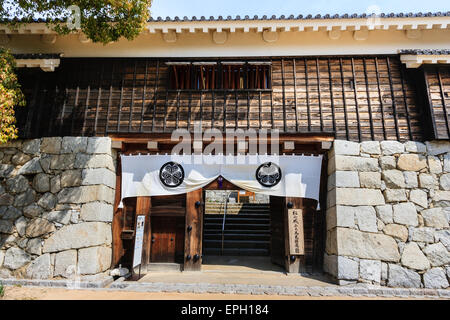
(97, 211)
(391, 147)
(21, 225)
(447, 162)
(437, 254)
(6, 227)
(86, 194)
(435, 217)
(370, 147)
(444, 181)
(366, 218)
(83, 161)
(62, 161)
(441, 196)
(366, 245)
(74, 145)
(20, 159)
(388, 162)
(444, 237)
(330, 264)
(17, 184)
(406, 214)
(435, 279)
(55, 184)
(435, 148)
(51, 145)
(341, 179)
(94, 260)
(2, 257)
(419, 197)
(81, 235)
(108, 178)
(415, 147)
(47, 201)
(31, 146)
(38, 227)
(385, 213)
(40, 268)
(394, 179)
(397, 231)
(371, 180)
(6, 170)
(359, 197)
(413, 258)
(434, 165)
(62, 217)
(15, 258)
(402, 277)
(31, 167)
(6, 199)
(41, 182)
(411, 162)
(32, 211)
(65, 263)
(25, 199)
(423, 234)
(347, 269)
(99, 145)
(70, 178)
(350, 163)
(34, 246)
(370, 270)
(394, 195)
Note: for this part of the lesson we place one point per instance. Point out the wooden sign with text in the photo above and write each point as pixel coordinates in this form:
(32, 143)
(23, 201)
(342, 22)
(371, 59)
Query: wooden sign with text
(296, 237)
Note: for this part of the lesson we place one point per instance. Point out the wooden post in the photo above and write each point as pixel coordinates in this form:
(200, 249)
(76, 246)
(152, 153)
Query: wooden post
(143, 208)
(297, 265)
(193, 231)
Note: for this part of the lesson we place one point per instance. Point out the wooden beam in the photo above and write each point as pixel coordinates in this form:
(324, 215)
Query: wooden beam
(193, 231)
(116, 144)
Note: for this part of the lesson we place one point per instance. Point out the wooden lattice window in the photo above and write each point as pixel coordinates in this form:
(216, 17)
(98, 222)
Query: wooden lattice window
(227, 75)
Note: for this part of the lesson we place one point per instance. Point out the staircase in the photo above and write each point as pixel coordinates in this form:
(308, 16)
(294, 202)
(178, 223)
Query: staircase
(247, 229)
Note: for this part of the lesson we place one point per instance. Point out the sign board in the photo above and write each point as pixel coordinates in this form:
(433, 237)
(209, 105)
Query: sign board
(296, 237)
(138, 240)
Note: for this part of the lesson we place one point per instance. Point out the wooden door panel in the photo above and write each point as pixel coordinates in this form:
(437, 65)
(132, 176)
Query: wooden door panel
(163, 239)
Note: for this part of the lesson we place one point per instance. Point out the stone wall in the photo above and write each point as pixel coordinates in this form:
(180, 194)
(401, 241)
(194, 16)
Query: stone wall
(388, 211)
(56, 207)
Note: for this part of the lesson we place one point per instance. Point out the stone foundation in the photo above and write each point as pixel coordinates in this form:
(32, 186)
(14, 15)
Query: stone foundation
(56, 207)
(388, 211)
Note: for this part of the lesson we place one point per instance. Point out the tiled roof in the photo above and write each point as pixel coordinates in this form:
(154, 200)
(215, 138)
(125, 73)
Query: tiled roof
(290, 17)
(306, 17)
(425, 51)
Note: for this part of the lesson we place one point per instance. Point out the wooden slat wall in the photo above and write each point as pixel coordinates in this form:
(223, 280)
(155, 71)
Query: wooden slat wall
(438, 83)
(358, 98)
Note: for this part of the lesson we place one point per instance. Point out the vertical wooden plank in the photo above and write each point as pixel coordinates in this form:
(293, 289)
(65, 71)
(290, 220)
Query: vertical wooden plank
(394, 104)
(130, 118)
(283, 84)
(110, 96)
(213, 100)
(121, 99)
(63, 109)
(86, 105)
(356, 99)
(178, 110)
(155, 95)
(97, 109)
(236, 109)
(380, 97)
(143, 96)
(193, 238)
(319, 93)
(331, 96)
(308, 109)
(347, 135)
(405, 101)
(295, 93)
(260, 110)
(369, 105)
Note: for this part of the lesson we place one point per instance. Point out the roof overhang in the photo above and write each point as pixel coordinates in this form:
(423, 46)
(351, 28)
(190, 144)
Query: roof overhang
(415, 58)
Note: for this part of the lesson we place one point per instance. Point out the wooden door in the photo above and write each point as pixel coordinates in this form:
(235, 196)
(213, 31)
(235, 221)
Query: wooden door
(277, 237)
(164, 239)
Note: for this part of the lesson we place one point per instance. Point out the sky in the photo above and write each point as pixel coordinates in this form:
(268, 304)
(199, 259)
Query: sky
(225, 8)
